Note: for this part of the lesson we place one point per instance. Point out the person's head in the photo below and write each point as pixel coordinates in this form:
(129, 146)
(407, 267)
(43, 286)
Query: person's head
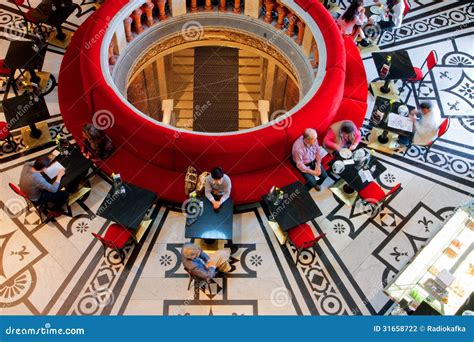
(426, 107)
(352, 10)
(348, 130)
(91, 133)
(41, 163)
(310, 136)
(217, 175)
(190, 251)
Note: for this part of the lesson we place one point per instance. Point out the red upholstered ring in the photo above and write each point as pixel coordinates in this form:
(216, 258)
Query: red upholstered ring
(155, 156)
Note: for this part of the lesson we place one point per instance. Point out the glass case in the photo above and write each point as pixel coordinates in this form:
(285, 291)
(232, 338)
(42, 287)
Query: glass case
(442, 272)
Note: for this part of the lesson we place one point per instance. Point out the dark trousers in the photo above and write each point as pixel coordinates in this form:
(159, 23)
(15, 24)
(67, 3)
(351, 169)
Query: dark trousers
(311, 181)
(57, 199)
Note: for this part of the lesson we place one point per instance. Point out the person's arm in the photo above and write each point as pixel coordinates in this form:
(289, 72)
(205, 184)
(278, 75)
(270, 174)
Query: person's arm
(202, 273)
(227, 189)
(204, 256)
(357, 137)
(42, 184)
(208, 189)
(330, 141)
(298, 159)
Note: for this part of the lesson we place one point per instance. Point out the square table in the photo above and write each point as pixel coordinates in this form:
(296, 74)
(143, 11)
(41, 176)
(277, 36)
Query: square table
(211, 225)
(351, 174)
(401, 67)
(22, 55)
(63, 9)
(76, 166)
(386, 107)
(129, 209)
(24, 110)
(297, 207)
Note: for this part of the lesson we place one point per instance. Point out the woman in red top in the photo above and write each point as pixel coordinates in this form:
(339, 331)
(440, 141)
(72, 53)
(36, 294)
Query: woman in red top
(342, 134)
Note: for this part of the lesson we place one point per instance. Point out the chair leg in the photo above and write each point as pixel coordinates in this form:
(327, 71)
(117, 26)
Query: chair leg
(298, 256)
(190, 282)
(426, 154)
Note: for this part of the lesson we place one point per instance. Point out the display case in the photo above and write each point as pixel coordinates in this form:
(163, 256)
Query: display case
(442, 272)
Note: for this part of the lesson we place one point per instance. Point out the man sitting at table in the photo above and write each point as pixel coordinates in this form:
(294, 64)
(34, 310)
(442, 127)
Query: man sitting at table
(307, 157)
(217, 187)
(426, 128)
(37, 188)
(199, 265)
(342, 134)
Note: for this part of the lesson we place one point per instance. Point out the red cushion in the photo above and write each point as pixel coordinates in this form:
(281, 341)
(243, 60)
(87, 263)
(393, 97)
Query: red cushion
(356, 86)
(372, 193)
(352, 110)
(117, 235)
(3, 69)
(418, 73)
(4, 131)
(326, 160)
(301, 235)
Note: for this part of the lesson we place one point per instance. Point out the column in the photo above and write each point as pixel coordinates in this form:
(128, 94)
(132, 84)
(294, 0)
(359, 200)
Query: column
(269, 4)
(269, 81)
(281, 16)
(237, 8)
(121, 38)
(161, 72)
(137, 20)
(307, 41)
(252, 8)
(178, 7)
(149, 14)
(128, 29)
(223, 6)
(291, 25)
(167, 108)
(301, 27)
(194, 6)
(264, 109)
(112, 58)
(315, 61)
(208, 6)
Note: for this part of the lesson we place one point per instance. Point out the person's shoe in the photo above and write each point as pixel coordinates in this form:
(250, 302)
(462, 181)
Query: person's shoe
(317, 187)
(54, 213)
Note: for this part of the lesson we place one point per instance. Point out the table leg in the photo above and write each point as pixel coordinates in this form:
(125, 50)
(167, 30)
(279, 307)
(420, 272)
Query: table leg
(326, 4)
(386, 87)
(210, 241)
(383, 138)
(35, 132)
(34, 78)
(348, 189)
(60, 34)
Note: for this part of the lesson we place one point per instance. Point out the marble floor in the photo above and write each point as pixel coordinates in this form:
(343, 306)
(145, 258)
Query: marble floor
(59, 268)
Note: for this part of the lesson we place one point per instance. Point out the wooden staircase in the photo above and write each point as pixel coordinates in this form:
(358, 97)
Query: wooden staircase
(250, 78)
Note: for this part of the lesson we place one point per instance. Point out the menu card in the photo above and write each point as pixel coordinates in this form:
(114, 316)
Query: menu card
(400, 122)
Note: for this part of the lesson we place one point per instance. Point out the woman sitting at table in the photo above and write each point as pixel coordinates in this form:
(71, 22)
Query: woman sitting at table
(395, 10)
(97, 145)
(426, 124)
(342, 134)
(351, 21)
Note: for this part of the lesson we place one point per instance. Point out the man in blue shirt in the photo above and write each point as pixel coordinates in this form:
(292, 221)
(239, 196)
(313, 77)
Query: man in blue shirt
(199, 265)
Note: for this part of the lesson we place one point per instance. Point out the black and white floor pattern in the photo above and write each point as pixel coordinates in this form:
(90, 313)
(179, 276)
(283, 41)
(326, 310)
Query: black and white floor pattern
(59, 268)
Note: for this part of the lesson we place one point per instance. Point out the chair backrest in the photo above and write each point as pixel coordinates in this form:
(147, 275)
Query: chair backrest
(431, 60)
(106, 243)
(393, 190)
(407, 7)
(18, 191)
(443, 128)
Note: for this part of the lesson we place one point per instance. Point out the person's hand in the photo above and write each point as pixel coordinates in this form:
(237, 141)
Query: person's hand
(61, 173)
(352, 147)
(317, 170)
(210, 264)
(216, 204)
(362, 10)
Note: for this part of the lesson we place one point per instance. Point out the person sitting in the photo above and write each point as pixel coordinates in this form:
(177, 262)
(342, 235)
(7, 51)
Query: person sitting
(426, 127)
(351, 21)
(97, 145)
(395, 10)
(199, 265)
(38, 189)
(341, 134)
(306, 155)
(217, 187)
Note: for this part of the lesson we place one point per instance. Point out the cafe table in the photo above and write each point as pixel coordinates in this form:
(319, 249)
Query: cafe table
(352, 175)
(203, 222)
(401, 67)
(387, 106)
(295, 208)
(129, 209)
(25, 110)
(76, 167)
(60, 13)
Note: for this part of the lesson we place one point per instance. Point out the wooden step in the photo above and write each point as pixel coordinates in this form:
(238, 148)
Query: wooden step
(250, 70)
(247, 114)
(181, 69)
(248, 106)
(249, 97)
(250, 79)
(245, 53)
(183, 60)
(182, 78)
(185, 52)
(249, 88)
(185, 113)
(249, 62)
(244, 124)
(184, 105)
(183, 96)
(183, 87)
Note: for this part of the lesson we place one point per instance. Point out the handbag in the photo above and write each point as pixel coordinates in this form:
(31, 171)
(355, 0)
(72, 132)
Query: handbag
(190, 181)
(201, 183)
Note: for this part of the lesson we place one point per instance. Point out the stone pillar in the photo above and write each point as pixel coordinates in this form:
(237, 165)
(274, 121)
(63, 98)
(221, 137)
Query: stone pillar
(291, 25)
(237, 8)
(112, 58)
(161, 9)
(194, 6)
(120, 38)
(301, 28)
(167, 107)
(137, 20)
(281, 16)
(161, 72)
(223, 6)
(307, 41)
(269, 81)
(252, 8)
(264, 109)
(315, 61)
(269, 4)
(208, 6)
(149, 14)
(178, 7)
(128, 29)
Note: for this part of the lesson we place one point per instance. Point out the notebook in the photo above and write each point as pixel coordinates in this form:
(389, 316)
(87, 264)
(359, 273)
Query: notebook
(53, 170)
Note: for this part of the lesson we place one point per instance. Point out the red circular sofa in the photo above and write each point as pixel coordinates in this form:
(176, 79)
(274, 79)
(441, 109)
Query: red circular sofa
(156, 157)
